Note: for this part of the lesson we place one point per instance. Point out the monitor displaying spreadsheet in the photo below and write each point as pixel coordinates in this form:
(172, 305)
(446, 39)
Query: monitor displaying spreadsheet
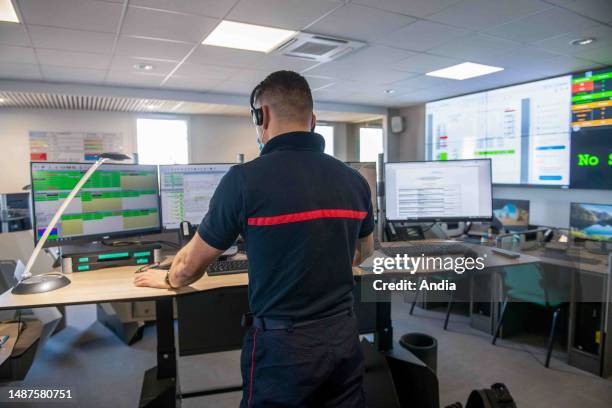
(454, 190)
(118, 200)
(186, 190)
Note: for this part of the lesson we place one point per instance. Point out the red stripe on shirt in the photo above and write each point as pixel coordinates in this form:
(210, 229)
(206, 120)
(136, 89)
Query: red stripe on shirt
(306, 216)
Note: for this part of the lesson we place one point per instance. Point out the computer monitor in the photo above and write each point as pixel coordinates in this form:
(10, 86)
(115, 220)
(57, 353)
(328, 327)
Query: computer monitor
(591, 222)
(368, 171)
(186, 190)
(118, 200)
(512, 214)
(453, 190)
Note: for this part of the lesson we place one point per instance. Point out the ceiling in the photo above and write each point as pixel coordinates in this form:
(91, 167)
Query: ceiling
(99, 41)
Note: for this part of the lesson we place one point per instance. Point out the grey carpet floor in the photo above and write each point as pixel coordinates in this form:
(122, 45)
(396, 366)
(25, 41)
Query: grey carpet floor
(104, 372)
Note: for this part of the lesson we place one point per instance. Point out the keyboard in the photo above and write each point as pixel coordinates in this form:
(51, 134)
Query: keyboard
(228, 267)
(564, 256)
(430, 248)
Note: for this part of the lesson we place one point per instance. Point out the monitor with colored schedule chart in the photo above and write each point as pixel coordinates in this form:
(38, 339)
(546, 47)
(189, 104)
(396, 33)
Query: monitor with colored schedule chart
(118, 200)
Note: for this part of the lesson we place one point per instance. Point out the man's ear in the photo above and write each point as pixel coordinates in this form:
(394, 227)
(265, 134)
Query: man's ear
(266, 116)
(313, 122)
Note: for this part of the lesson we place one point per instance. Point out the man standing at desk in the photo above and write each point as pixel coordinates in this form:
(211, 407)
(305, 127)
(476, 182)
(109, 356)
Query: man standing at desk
(306, 219)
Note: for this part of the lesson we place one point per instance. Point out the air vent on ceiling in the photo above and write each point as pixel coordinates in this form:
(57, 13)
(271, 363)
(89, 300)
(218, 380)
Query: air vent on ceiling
(317, 47)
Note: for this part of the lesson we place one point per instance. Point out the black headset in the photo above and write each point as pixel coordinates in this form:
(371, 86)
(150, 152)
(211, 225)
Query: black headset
(257, 114)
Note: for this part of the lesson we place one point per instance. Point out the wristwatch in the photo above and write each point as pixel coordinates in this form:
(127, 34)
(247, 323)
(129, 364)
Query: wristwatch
(168, 281)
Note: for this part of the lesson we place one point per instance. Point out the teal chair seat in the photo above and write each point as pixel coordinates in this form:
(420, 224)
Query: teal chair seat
(526, 283)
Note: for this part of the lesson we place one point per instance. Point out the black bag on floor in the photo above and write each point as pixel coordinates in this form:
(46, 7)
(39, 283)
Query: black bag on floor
(497, 396)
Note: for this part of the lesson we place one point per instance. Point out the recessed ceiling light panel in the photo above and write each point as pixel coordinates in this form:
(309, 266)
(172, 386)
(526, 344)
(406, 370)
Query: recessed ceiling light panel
(7, 12)
(250, 37)
(465, 70)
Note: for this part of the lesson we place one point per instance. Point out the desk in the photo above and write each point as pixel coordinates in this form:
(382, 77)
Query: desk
(160, 386)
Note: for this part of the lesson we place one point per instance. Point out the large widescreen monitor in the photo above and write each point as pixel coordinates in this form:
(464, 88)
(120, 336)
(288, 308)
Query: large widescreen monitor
(591, 221)
(186, 190)
(524, 130)
(591, 147)
(118, 200)
(454, 190)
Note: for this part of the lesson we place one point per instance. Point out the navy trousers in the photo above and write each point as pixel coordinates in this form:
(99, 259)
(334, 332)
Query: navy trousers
(317, 365)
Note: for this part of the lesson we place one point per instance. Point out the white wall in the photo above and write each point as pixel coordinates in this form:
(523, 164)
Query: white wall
(548, 206)
(213, 138)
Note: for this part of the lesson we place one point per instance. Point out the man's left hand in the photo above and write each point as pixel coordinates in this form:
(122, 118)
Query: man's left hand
(152, 278)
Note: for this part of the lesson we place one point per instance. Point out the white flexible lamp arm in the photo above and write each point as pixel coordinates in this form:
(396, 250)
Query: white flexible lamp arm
(41, 242)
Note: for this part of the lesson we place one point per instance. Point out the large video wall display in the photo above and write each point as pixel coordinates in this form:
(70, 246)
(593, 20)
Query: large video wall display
(555, 131)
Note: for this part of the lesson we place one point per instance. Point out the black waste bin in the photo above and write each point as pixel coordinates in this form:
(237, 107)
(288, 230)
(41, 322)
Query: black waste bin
(423, 346)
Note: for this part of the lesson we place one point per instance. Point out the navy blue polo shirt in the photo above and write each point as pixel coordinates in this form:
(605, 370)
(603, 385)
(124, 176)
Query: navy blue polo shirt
(301, 213)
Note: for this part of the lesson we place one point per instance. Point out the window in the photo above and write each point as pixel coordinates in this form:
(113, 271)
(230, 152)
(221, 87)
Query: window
(328, 134)
(162, 141)
(370, 144)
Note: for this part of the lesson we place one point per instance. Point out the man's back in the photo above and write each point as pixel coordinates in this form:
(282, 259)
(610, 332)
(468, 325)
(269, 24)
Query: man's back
(304, 212)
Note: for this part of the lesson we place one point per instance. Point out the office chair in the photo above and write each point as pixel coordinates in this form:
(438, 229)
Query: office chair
(526, 283)
(451, 300)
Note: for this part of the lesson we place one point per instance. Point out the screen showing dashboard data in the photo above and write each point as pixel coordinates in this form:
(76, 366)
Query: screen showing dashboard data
(186, 191)
(591, 147)
(117, 199)
(523, 129)
(438, 190)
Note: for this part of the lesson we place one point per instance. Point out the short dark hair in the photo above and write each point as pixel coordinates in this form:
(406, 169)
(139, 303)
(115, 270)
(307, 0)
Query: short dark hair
(288, 95)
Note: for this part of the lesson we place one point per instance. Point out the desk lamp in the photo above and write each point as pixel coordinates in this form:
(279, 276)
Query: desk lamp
(55, 280)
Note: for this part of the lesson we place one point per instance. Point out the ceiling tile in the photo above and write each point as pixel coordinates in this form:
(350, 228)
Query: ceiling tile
(73, 59)
(600, 10)
(19, 55)
(20, 71)
(422, 35)
(600, 55)
(423, 63)
(71, 40)
(557, 66)
(561, 43)
(150, 48)
(373, 56)
(211, 55)
(421, 8)
(542, 25)
(235, 87)
(250, 77)
(517, 57)
(166, 25)
(80, 14)
(13, 34)
(68, 74)
(205, 71)
(481, 14)
(288, 14)
(132, 79)
(473, 46)
(124, 63)
(211, 8)
(191, 83)
(360, 23)
(419, 82)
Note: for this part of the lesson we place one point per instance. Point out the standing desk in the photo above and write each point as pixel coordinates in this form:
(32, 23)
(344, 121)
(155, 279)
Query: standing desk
(160, 386)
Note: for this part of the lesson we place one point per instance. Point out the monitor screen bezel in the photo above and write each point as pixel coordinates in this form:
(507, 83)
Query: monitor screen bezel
(92, 237)
(569, 225)
(161, 210)
(438, 219)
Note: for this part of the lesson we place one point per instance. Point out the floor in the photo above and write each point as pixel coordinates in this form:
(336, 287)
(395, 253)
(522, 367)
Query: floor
(103, 372)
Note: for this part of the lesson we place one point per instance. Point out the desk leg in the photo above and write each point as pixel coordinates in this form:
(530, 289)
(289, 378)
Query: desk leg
(383, 336)
(159, 387)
